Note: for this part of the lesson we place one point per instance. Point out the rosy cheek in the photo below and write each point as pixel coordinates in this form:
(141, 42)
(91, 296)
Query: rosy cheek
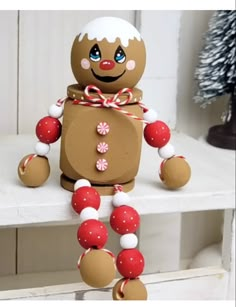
(130, 65)
(85, 64)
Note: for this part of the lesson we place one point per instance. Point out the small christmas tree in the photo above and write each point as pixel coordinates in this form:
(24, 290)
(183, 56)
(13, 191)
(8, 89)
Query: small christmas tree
(216, 74)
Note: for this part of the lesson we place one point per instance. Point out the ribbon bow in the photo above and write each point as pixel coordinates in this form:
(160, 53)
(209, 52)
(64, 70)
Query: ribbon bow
(109, 102)
(102, 101)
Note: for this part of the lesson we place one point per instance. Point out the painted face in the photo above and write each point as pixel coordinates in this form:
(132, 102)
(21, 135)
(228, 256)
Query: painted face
(108, 65)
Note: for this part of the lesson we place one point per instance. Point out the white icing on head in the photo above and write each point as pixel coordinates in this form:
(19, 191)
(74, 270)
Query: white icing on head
(110, 28)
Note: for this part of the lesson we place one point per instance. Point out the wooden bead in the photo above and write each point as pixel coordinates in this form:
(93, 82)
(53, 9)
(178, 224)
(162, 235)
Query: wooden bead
(167, 151)
(120, 199)
(175, 172)
(55, 111)
(81, 183)
(150, 116)
(97, 268)
(134, 289)
(128, 241)
(42, 149)
(33, 170)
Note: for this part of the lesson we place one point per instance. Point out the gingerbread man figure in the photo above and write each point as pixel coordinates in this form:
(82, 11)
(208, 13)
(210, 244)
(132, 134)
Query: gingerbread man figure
(101, 139)
(103, 116)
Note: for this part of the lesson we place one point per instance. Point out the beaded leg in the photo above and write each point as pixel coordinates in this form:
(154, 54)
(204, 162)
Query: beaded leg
(96, 264)
(125, 221)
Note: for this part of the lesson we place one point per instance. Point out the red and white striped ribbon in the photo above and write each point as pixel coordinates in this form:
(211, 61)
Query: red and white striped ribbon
(101, 101)
(122, 286)
(118, 188)
(61, 101)
(109, 102)
(31, 157)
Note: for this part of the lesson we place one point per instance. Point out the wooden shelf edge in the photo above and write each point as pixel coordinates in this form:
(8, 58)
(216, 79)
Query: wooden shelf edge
(73, 288)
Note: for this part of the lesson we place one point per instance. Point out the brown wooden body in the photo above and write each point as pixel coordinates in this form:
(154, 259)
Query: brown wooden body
(80, 138)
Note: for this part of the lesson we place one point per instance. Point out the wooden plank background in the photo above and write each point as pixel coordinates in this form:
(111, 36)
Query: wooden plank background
(9, 73)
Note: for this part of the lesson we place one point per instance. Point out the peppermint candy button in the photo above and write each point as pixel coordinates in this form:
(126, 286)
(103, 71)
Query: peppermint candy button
(102, 147)
(101, 165)
(103, 128)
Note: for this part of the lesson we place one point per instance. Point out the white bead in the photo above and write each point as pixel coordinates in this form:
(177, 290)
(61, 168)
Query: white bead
(41, 149)
(55, 111)
(128, 241)
(166, 151)
(81, 183)
(88, 213)
(150, 116)
(120, 198)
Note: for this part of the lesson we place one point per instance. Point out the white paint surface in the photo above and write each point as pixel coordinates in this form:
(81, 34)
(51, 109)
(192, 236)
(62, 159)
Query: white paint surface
(110, 28)
(181, 285)
(8, 75)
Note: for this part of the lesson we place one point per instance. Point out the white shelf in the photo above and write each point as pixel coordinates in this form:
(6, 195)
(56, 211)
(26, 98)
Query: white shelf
(179, 285)
(212, 185)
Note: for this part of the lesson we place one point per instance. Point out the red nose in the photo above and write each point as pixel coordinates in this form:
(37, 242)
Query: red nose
(107, 65)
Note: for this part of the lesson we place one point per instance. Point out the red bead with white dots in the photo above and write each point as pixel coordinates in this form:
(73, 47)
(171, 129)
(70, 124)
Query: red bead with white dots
(92, 234)
(85, 197)
(157, 134)
(130, 263)
(124, 219)
(48, 130)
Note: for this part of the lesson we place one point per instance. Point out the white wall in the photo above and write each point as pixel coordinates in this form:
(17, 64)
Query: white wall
(160, 30)
(195, 121)
(191, 118)
(8, 75)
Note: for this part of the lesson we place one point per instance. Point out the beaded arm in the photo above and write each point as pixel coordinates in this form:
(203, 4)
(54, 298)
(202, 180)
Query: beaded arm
(174, 171)
(34, 169)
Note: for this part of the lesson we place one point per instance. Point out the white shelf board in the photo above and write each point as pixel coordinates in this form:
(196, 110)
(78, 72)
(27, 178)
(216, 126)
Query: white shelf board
(212, 185)
(186, 284)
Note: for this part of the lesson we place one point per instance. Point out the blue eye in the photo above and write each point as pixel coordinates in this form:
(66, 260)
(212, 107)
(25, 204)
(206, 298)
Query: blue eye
(120, 56)
(95, 53)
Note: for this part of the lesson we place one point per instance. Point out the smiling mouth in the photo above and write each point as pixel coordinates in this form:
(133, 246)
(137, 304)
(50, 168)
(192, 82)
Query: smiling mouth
(107, 78)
